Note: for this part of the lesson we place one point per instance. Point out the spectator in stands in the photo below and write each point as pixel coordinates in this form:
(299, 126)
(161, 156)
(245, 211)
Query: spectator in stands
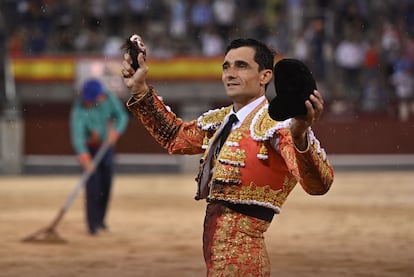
(114, 15)
(178, 21)
(16, 42)
(349, 57)
(403, 81)
(201, 17)
(138, 14)
(224, 12)
(212, 43)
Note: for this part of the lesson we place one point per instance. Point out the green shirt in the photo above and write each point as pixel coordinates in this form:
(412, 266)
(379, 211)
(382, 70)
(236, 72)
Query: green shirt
(93, 121)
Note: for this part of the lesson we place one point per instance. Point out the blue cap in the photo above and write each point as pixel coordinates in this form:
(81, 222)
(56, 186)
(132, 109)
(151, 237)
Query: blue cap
(91, 89)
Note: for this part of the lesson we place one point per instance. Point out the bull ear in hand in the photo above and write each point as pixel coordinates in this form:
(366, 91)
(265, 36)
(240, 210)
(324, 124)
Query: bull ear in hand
(294, 84)
(132, 46)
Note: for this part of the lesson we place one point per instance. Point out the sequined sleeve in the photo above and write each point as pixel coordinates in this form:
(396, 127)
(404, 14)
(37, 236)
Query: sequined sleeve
(311, 167)
(171, 132)
(314, 167)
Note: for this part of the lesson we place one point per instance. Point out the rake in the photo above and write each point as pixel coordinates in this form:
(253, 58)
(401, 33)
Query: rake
(49, 234)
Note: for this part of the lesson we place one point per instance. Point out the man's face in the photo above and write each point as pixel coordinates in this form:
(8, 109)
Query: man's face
(241, 77)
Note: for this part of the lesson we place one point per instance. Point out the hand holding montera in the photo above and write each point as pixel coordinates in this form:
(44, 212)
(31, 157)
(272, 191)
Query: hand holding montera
(296, 97)
(301, 123)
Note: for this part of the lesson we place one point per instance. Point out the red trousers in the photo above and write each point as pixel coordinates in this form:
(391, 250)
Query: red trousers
(233, 243)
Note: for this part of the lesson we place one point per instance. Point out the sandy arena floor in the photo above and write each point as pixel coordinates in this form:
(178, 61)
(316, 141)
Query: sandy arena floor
(363, 227)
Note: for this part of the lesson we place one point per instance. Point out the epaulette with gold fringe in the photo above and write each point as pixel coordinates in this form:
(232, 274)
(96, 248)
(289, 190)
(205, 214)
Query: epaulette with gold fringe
(212, 119)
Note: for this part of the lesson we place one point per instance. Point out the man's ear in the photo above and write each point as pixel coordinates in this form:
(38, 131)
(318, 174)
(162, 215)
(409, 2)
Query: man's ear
(266, 77)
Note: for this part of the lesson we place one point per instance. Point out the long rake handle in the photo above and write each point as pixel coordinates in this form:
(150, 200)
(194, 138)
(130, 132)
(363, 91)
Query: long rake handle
(82, 182)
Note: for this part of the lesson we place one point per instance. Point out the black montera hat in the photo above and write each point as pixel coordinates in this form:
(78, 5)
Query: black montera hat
(294, 84)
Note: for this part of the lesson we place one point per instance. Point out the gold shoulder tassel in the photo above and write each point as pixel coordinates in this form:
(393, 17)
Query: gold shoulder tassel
(263, 154)
(205, 141)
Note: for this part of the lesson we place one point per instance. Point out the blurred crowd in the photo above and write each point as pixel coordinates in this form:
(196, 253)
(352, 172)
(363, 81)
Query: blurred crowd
(360, 51)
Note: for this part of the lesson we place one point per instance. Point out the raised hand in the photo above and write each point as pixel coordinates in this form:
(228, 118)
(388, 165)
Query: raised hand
(135, 79)
(300, 124)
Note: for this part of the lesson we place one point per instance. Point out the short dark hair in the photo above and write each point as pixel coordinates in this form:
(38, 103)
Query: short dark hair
(264, 56)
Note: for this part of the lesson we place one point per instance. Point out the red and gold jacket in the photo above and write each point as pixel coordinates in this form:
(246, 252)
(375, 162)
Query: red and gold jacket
(248, 170)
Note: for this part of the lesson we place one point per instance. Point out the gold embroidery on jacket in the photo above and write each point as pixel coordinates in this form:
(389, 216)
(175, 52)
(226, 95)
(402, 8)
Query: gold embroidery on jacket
(235, 157)
(235, 137)
(262, 125)
(258, 128)
(226, 179)
(253, 194)
(224, 174)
